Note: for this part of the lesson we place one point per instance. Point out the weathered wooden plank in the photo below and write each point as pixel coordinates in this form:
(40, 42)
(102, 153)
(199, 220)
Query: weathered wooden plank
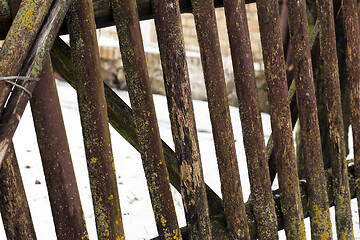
(148, 135)
(178, 92)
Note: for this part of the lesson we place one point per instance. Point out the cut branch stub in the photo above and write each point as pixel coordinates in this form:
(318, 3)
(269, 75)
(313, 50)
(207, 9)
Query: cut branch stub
(138, 82)
(95, 126)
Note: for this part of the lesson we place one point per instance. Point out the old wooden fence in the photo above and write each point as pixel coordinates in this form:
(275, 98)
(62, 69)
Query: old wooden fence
(32, 50)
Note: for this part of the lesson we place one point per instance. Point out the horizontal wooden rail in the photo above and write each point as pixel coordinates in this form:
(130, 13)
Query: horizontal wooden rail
(102, 11)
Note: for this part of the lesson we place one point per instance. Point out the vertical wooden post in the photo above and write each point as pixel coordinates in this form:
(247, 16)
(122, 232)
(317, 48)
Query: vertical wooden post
(352, 35)
(205, 21)
(56, 159)
(93, 113)
(138, 82)
(309, 127)
(334, 118)
(284, 153)
(261, 195)
(178, 93)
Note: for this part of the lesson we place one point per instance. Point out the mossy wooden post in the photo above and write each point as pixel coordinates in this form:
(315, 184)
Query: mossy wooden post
(205, 21)
(334, 117)
(56, 159)
(177, 85)
(138, 82)
(260, 184)
(352, 35)
(13, 203)
(14, 207)
(309, 127)
(95, 126)
(284, 153)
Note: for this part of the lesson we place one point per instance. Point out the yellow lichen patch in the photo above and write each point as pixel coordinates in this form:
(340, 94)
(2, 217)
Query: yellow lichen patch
(93, 160)
(111, 197)
(163, 221)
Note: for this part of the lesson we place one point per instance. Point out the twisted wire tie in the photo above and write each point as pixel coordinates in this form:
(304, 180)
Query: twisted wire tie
(7, 79)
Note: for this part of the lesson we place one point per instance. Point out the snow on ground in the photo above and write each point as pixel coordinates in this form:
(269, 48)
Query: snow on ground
(135, 203)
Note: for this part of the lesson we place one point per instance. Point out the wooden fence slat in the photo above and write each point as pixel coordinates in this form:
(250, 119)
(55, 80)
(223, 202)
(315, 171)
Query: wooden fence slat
(334, 114)
(205, 22)
(14, 207)
(314, 41)
(56, 159)
(269, 22)
(138, 82)
(120, 116)
(93, 114)
(261, 195)
(352, 35)
(309, 125)
(178, 92)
